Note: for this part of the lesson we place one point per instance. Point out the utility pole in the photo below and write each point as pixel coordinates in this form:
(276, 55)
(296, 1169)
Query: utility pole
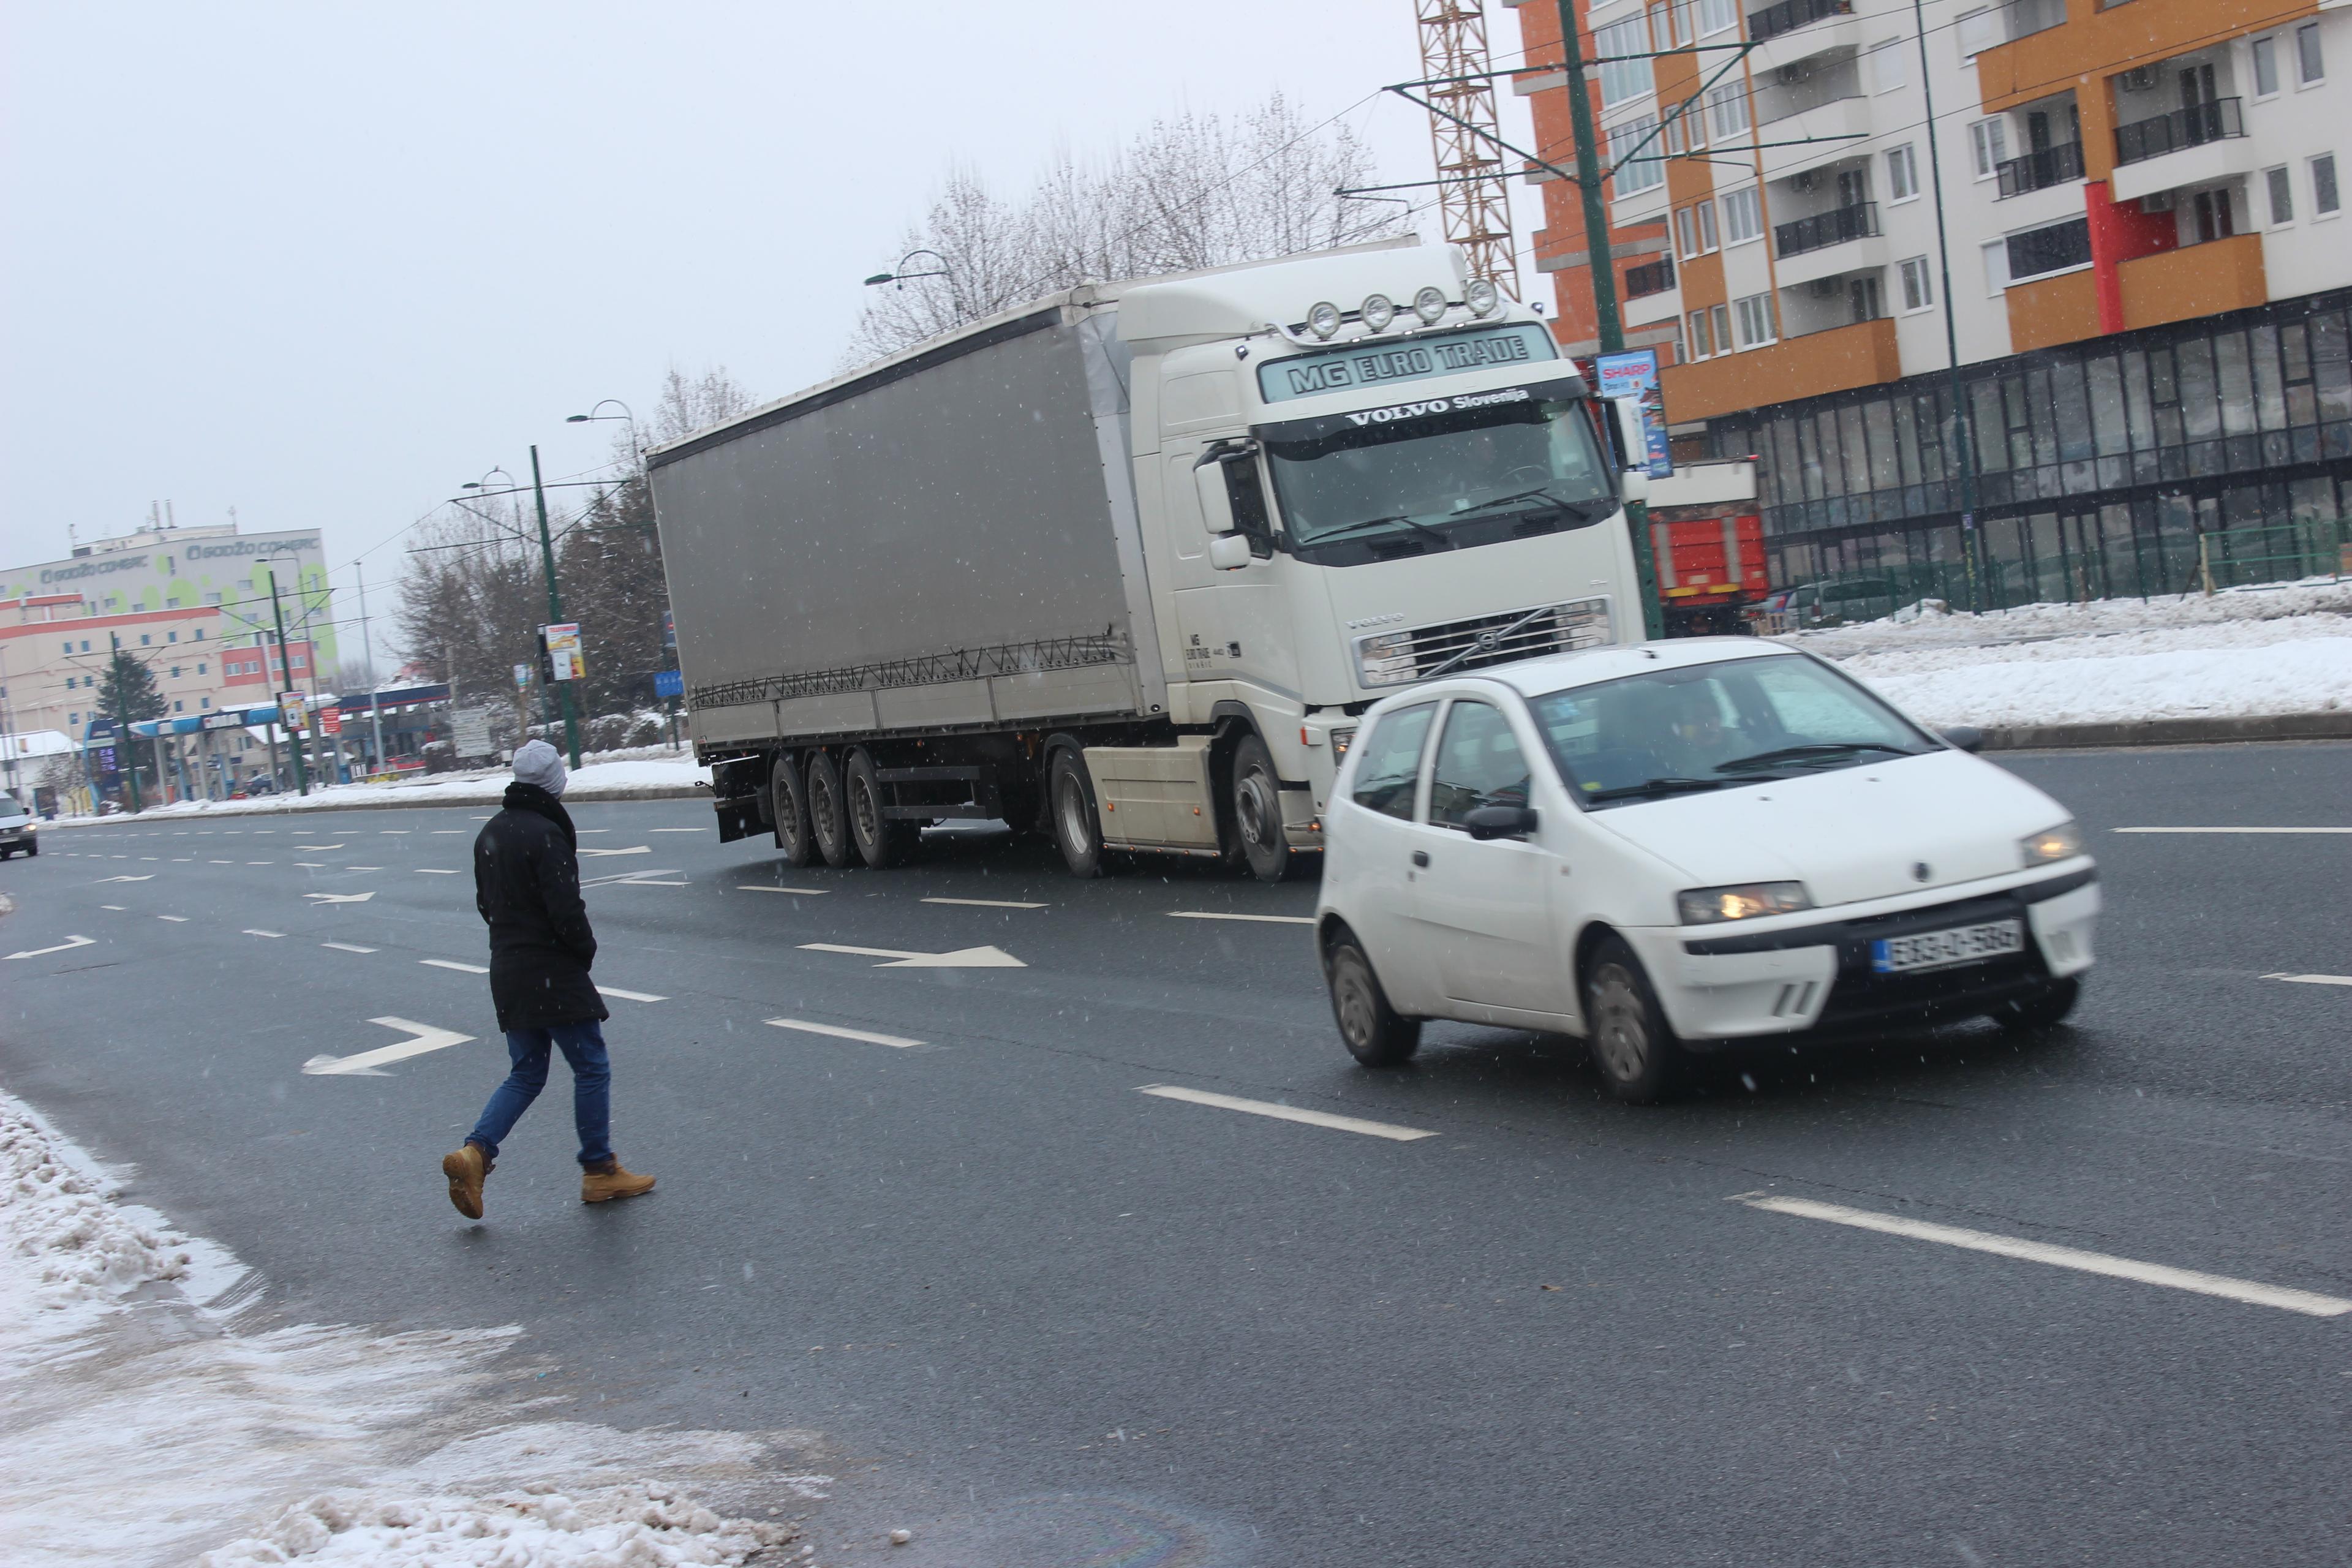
(367, 653)
(555, 604)
(1963, 427)
(1610, 325)
(286, 673)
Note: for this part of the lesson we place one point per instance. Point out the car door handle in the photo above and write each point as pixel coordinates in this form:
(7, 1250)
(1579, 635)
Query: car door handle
(1421, 856)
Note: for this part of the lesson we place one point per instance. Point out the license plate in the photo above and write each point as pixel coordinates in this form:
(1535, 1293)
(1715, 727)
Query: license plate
(1939, 949)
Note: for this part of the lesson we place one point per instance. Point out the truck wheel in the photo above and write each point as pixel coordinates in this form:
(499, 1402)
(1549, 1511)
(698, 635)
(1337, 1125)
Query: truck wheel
(1257, 812)
(790, 798)
(881, 842)
(827, 824)
(1077, 830)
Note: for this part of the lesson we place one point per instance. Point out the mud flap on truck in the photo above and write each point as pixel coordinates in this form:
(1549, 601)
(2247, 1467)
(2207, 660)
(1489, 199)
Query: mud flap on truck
(739, 794)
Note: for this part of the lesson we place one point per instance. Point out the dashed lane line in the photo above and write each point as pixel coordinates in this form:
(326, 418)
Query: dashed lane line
(989, 903)
(255, 931)
(797, 892)
(1222, 915)
(2251, 1293)
(434, 871)
(118, 909)
(346, 947)
(2313, 979)
(362, 868)
(2233, 830)
(836, 1032)
(453, 963)
(676, 830)
(175, 919)
(1287, 1112)
(629, 996)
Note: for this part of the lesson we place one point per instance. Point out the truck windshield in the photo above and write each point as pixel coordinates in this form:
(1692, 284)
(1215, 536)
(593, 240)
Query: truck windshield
(1421, 476)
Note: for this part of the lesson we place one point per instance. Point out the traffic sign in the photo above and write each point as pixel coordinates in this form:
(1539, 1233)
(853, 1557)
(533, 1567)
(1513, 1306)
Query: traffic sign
(669, 683)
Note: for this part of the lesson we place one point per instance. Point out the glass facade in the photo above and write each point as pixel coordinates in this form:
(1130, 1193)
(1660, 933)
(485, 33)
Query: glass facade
(2099, 464)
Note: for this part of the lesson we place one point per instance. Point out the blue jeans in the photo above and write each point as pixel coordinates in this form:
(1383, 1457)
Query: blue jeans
(582, 1045)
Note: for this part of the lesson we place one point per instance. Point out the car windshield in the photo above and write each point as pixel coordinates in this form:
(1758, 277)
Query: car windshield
(1717, 726)
(8, 807)
(1412, 476)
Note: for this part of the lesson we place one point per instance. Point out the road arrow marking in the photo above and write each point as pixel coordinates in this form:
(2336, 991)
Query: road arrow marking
(836, 1032)
(961, 958)
(340, 897)
(148, 878)
(66, 946)
(426, 1037)
(453, 963)
(632, 849)
(649, 878)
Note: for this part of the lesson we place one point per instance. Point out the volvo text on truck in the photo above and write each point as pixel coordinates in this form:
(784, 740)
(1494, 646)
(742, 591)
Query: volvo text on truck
(1125, 565)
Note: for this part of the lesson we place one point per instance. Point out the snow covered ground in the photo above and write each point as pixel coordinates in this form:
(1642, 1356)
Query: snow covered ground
(145, 1427)
(616, 780)
(2279, 650)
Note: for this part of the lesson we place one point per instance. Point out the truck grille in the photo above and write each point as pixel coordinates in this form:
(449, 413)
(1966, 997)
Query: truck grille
(1397, 658)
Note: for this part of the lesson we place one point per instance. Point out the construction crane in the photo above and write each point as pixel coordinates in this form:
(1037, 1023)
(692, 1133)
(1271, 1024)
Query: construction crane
(1474, 190)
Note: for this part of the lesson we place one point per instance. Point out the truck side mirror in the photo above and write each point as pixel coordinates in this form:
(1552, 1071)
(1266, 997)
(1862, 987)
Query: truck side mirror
(1216, 503)
(1229, 552)
(1633, 484)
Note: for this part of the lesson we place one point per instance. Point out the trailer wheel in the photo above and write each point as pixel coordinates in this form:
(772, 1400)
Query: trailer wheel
(1077, 829)
(881, 841)
(1257, 812)
(827, 824)
(790, 798)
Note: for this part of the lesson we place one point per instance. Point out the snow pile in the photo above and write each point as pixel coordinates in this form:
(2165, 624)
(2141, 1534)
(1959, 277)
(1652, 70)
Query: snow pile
(592, 781)
(2117, 660)
(144, 1428)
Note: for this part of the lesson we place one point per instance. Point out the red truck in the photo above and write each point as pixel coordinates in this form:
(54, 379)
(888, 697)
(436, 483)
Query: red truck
(1708, 542)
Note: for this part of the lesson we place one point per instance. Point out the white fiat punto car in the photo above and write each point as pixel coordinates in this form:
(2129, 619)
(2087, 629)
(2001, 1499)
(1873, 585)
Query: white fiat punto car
(1683, 846)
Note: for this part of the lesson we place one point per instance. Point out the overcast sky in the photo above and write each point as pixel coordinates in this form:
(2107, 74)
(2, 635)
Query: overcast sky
(325, 263)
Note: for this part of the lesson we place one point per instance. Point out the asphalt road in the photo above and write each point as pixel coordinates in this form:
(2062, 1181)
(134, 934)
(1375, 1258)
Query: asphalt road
(1055, 1321)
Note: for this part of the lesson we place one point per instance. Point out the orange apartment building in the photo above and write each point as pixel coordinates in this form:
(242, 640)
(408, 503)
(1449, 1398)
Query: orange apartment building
(2147, 285)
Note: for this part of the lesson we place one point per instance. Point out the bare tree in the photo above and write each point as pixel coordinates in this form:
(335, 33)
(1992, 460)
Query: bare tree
(688, 403)
(1192, 191)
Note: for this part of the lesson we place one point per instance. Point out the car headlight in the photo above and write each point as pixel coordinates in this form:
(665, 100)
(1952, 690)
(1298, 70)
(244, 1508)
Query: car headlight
(2063, 842)
(1387, 659)
(1746, 901)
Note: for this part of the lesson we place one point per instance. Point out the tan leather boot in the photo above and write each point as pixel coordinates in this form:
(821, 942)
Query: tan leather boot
(467, 1169)
(606, 1181)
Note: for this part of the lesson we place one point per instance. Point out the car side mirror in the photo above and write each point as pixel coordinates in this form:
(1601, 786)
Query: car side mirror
(1487, 822)
(1966, 737)
(1216, 502)
(1229, 552)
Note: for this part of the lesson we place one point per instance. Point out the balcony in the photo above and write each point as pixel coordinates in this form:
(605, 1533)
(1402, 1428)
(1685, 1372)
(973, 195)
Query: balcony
(1834, 226)
(1791, 14)
(1650, 278)
(2040, 170)
(2216, 120)
(1808, 366)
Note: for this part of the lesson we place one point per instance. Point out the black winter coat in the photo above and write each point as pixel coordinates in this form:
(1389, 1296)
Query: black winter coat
(527, 887)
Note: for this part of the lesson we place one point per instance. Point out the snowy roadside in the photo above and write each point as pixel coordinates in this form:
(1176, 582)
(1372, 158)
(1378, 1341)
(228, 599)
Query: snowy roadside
(2287, 650)
(145, 1426)
(627, 779)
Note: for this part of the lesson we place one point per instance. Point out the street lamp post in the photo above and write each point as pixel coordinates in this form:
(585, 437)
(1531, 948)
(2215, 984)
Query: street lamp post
(554, 605)
(285, 674)
(896, 276)
(636, 446)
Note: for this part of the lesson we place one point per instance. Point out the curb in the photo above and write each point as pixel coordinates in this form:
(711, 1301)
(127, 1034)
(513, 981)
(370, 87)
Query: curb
(2171, 731)
(626, 792)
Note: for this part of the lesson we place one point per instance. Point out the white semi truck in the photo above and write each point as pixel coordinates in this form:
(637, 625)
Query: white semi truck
(1125, 565)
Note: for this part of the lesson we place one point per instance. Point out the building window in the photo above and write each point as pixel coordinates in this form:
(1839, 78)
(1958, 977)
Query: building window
(1743, 216)
(175, 673)
(1988, 145)
(210, 599)
(1918, 290)
(73, 718)
(1715, 15)
(200, 669)
(179, 706)
(1978, 32)
(1685, 233)
(1886, 66)
(171, 636)
(2281, 194)
(1901, 175)
(2309, 68)
(2324, 200)
(85, 645)
(1623, 80)
(144, 639)
(1996, 265)
(203, 701)
(2060, 247)
(1635, 175)
(1702, 341)
(2265, 67)
(300, 661)
(1755, 313)
(199, 633)
(1722, 314)
(1727, 110)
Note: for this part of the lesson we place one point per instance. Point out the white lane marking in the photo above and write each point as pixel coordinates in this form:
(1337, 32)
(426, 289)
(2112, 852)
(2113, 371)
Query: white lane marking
(2314, 979)
(2246, 1290)
(149, 877)
(649, 878)
(220, 862)
(453, 963)
(455, 831)
(424, 1038)
(629, 996)
(346, 947)
(2234, 830)
(261, 862)
(147, 856)
(798, 892)
(340, 897)
(118, 909)
(1219, 915)
(989, 903)
(1285, 1112)
(317, 848)
(632, 850)
(66, 946)
(362, 868)
(312, 865)
(961, 958)
(175, 919)
(838, 1033)
(586, 830)
(435, 871)
(255, 931)
(396, 830)
(677, 830)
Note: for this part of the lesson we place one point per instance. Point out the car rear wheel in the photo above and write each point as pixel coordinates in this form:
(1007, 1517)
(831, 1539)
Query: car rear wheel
(790, 798)
(882, 841)
(827, 824)
(1375, 1034)
(1077, 831)
(2042, 1009)
(1638, 1056)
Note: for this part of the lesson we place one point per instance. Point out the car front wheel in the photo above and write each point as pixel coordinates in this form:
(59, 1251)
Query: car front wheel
(1637, 1054)
(2042, 1009)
